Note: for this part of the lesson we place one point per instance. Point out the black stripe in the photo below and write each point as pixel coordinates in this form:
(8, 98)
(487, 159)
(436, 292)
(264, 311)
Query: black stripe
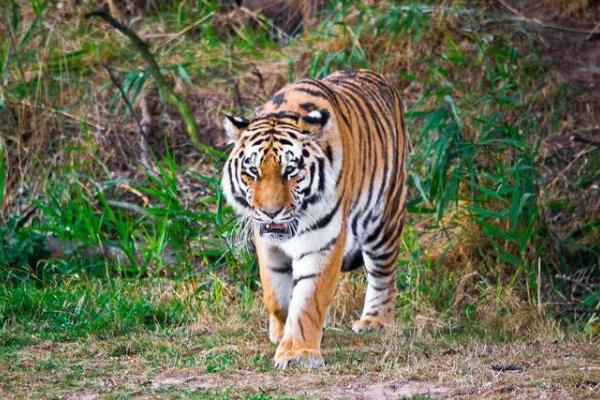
(312, 92)
(321, 185)
(375, 234)
(380, 274)
(301, 329)
(381, 288)
(242, 200)
(309, 276)
(366, 220)
(282, 114)
(329, 153)
(384, 302)
(281, 270)
(322, 222)
(381, 256)
(312, 178)
(392, 233)
(353, 225)
(230, 173)
(326, 247)
(285, 141)
(308, 106)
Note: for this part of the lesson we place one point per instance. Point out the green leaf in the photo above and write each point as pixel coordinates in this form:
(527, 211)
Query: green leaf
(3, 171)
(509, 258)
(182, 73)
(417, 181)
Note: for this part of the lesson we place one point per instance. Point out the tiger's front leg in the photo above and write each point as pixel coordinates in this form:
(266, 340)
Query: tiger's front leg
(276, 280)
(315, 279)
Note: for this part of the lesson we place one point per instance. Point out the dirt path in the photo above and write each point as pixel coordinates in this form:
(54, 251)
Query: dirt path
(532, 370)
(405, 368)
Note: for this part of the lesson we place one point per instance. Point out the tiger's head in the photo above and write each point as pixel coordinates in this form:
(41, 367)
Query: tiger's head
(277, 170)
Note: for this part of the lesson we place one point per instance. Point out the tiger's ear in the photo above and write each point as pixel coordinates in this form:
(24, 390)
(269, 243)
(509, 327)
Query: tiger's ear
(315, 121)
(233, 127)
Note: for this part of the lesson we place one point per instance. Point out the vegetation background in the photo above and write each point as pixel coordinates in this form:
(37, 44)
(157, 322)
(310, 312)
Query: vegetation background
(123, 273)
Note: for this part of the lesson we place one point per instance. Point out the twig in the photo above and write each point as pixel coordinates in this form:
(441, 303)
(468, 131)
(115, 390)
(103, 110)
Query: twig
(127, 206)
(264, 22)
(583, 139)
(55, 111)
(146, 121)
(594, 33)
(575, 282)
(141, 128)
(509, 7)
(261, 80)
(173, 36)
(522, 18)
(500, 367)
(136, 192)
(237, 98)
(115, 82)
(172, 97)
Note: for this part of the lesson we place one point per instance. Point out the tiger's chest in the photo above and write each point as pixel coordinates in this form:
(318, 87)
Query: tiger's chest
(314, 241)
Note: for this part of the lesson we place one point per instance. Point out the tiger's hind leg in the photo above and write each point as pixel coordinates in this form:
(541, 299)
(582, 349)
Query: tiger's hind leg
(378, 310)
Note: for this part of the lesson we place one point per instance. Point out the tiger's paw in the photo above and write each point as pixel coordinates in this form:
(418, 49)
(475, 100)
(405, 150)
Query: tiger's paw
(369, 324)
(275, 329)
(308, 358)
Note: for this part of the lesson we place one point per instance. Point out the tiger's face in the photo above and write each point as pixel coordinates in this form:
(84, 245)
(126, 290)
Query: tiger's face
(274, 173)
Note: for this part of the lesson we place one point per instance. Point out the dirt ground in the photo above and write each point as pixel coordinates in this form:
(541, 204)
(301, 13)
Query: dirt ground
(360, 368)
(455, 374)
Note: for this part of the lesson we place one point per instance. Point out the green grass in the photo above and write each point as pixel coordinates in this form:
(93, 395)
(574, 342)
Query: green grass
(482, 103)
(476, 131)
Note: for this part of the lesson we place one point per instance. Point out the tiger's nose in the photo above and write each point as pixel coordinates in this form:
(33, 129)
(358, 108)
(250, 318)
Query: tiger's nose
(271, 212)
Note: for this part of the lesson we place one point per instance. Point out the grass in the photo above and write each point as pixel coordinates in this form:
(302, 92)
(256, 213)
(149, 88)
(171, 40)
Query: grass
(138, 263)
(227, 354)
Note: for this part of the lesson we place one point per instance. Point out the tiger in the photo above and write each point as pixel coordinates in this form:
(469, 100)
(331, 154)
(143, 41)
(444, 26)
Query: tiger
(320, 173)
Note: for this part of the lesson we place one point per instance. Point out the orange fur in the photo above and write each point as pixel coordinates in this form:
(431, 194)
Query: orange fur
(313, 316)
(344, 139)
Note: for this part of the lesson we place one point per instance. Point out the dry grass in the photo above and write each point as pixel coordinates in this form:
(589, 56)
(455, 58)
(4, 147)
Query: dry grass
(197, 360)
(463, 310)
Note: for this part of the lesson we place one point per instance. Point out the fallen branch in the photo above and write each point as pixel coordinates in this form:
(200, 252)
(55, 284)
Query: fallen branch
(500, 367)
(172, 97)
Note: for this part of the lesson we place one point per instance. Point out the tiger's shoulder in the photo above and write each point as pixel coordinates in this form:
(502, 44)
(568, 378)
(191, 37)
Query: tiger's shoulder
(307, 95)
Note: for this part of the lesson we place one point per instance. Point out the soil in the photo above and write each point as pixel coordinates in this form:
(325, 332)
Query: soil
(524, 370)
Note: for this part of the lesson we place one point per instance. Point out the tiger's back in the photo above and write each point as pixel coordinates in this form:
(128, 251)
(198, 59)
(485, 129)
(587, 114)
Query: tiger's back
(321, 169)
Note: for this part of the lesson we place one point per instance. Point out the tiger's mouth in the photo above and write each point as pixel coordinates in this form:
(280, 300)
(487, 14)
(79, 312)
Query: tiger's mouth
(276, 230)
